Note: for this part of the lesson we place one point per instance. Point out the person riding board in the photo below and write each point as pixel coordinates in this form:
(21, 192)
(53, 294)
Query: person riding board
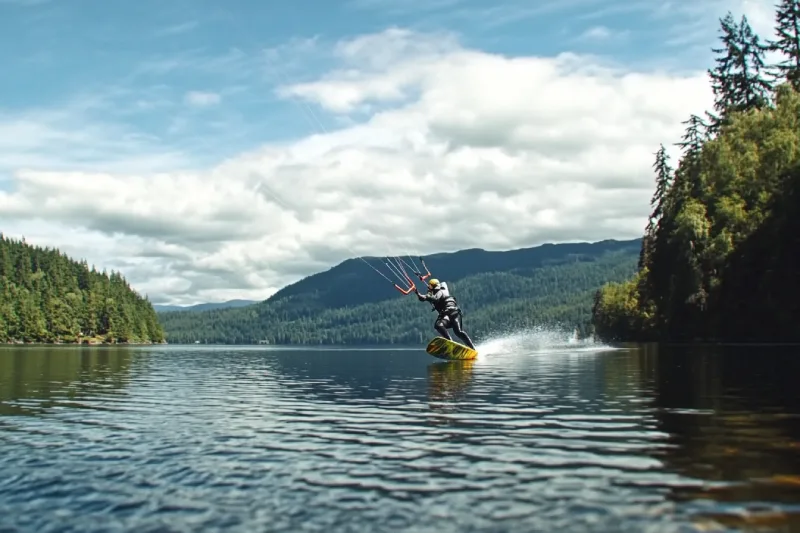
(449, 312)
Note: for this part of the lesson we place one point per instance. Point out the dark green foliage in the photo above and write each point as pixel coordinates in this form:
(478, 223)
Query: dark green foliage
(721, 263)
(663, 183)
(694, 136)
(351, 304)
(47, 297)
(738, 80)
(761, 281)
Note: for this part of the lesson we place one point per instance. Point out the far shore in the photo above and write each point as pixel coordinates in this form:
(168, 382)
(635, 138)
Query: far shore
(82, 342)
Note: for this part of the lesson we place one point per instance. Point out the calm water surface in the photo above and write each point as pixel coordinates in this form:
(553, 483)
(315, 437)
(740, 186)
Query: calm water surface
(524, 439)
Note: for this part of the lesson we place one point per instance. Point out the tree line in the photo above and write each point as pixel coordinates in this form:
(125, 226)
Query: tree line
(557, 294)
(47, 297)
(719, 256)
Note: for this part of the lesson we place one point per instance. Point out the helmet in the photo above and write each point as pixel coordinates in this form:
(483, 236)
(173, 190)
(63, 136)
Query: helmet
(433, 284)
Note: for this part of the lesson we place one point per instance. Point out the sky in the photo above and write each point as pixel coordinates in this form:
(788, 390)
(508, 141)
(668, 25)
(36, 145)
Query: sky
(217, 150)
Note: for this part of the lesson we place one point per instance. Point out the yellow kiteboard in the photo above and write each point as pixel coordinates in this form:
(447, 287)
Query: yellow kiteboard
(445, 349)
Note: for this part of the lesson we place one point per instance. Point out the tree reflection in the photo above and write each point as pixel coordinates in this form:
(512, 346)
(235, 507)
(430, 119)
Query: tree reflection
(731, 419)
(34, 379)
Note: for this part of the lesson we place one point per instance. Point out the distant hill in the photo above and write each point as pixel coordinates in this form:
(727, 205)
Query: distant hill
(204, 306)
(351, 304)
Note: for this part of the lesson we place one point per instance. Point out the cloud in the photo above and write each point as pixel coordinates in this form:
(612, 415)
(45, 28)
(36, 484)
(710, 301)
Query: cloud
(447, 147)
(495, 15)
(69, 138)
(202, 99)
(760, 14)
(599, 33)
(695, 25)
(598, 9)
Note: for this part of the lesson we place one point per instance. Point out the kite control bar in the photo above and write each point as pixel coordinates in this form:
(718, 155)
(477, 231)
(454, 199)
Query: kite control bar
(398, 267)
(411, 287)
(427, 272)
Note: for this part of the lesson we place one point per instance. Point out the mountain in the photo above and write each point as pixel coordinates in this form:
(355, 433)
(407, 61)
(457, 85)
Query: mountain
(204, 306)
(351, 304)
(46, 296)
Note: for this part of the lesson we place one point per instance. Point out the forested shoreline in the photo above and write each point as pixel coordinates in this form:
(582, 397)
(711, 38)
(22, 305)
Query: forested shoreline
(47, 297)
(720, 257)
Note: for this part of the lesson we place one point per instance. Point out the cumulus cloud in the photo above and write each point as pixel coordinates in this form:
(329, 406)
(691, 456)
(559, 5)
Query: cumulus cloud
(447, 147)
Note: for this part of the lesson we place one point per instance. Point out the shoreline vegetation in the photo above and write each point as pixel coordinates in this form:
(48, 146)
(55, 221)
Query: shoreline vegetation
(48, 298)
(720, 256)
(95, 341)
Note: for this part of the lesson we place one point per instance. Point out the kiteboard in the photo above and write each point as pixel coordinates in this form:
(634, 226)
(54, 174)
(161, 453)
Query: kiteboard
(445, 349)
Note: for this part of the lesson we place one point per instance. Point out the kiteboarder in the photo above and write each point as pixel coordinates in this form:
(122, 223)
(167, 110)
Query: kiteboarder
(449, 312)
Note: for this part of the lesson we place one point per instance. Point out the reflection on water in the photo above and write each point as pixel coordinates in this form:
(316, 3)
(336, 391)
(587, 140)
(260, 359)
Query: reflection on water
(244, 439)
(448, 381)
(34, 379)
(733, 416)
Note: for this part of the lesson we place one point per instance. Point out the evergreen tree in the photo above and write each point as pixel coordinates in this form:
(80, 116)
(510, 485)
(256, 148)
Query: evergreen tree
(738, 78)
(691, 144)
(693, 138)
(787, 28)
(646, 251)
(663, 183)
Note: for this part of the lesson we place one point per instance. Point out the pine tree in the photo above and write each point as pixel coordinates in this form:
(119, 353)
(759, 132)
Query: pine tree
(693, 138)
(738, 79)
(787, 28)
(691, 145)
(663, 183)
(752, 89)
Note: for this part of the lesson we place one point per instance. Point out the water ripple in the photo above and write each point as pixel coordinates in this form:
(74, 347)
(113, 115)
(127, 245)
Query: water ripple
(193, 440)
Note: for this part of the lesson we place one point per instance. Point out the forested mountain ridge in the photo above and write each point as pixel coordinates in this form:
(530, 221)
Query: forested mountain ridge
(720, 258)
(351, 304)
(47, 297)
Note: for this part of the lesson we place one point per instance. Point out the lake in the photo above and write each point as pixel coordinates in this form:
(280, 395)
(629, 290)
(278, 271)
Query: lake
(535, 435)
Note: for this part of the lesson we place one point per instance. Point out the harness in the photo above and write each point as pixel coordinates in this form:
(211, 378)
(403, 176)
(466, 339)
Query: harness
(448, 306)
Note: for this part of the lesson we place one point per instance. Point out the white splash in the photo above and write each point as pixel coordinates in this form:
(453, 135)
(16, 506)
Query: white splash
(538, 340)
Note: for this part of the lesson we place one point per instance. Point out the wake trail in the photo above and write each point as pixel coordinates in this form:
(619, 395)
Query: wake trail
(538, 340)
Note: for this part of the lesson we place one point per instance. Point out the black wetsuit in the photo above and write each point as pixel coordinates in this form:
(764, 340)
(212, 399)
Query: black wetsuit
(449, 313)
